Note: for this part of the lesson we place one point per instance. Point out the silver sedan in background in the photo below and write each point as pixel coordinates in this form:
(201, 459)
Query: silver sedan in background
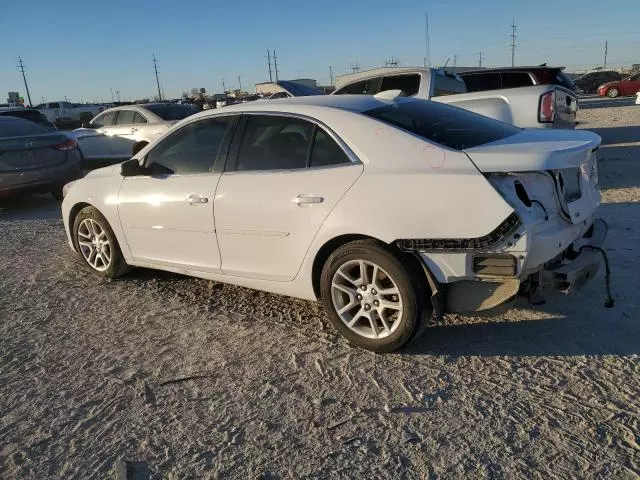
(35, 158)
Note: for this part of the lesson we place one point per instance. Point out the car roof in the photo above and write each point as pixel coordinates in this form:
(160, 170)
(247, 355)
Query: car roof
(354, 103)
(18, 109)
(510, 69)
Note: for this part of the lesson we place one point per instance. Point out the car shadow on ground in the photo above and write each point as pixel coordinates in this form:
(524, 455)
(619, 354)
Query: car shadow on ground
(30, 207)
(616, 135)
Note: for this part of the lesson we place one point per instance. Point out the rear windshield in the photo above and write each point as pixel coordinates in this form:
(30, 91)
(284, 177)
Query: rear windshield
(16, 127)
(443, 124)
(299, 89)
(171, 111)
(33, 115)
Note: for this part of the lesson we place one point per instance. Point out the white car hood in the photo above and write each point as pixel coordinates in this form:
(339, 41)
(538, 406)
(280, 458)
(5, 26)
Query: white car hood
(535, 150)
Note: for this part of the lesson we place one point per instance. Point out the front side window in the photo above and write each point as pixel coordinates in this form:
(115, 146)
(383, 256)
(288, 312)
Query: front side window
(326, 151)
(125, 117)
(364, 87)
(443, 124)
(193, 148)
(105, 120)
(409, 84)
(274, 143)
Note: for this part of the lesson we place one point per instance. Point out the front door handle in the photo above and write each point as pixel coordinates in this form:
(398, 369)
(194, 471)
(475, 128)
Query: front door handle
(304, 200)
(196, 199)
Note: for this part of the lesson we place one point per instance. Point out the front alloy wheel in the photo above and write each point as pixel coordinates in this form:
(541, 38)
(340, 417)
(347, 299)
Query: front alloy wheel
(613, 93)
(94, 244)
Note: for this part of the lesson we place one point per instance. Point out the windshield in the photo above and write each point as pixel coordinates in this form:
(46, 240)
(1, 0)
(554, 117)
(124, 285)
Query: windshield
(443, 124)
(299, 89)
(171, 111)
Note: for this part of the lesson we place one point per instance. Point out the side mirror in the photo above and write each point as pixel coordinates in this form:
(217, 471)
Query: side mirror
(132, 168)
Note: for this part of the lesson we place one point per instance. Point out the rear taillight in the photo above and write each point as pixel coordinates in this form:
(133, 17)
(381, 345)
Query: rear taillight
(547, 112)
(66, 146)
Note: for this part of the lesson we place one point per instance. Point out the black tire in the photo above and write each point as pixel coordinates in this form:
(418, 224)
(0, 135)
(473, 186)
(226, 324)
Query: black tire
(404, 272)
(137, 147)
(613, 92)
(117, 265)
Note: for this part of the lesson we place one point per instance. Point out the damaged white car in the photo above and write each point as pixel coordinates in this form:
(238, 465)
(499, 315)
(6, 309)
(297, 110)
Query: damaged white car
(388, 209)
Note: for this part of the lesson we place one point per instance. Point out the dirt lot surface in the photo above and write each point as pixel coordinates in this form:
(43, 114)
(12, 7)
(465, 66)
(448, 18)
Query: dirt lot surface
(162, 376)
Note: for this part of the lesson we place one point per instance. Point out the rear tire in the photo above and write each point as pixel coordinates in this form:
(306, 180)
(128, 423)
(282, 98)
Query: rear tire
(381, 309)
(613, 92)
(97, 244)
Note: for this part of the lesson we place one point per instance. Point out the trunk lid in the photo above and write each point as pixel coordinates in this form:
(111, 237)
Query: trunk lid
(33, 151)
(568, 155)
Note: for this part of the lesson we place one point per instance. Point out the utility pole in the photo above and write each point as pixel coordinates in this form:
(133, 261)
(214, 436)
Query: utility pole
(275, 64)
(224, 88)
(513, 42)
(155, 67)
(330, 75)
(427, 58)
(21, 67)
(455, 61)
(118, 95)
(269, 60)
(480, 59)
(355, 67)
(606, 47)
(111, 94)
(240, 83)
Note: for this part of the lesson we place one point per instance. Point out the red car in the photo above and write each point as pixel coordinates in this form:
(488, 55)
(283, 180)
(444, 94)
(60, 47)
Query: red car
(626, 87)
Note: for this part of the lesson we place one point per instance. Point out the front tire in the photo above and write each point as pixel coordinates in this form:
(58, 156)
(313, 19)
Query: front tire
(373, 295)
(97, 244)
(613, 92)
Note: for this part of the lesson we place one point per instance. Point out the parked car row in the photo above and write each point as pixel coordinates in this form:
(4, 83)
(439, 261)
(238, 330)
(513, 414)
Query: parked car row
(68, 114)
(388, 209)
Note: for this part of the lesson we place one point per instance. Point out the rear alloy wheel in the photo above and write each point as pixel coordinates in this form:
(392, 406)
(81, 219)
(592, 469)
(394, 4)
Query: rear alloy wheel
(372, 296)
(613, 92)
(97, 243)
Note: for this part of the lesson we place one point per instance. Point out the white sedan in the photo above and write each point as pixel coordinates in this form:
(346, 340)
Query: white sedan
(119, 133)
(387, 208)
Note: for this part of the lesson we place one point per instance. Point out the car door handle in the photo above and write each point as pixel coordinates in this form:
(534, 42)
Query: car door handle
(134, 130)
(304, 200)
(196, 199)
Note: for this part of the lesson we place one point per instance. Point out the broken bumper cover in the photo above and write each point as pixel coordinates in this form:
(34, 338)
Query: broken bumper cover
(580, 262)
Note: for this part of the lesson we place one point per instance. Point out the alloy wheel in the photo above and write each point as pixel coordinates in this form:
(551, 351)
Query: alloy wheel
(367, 299)
(94, 244)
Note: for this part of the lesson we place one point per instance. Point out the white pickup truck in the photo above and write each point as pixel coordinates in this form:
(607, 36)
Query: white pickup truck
(67, 113)
(540, 106)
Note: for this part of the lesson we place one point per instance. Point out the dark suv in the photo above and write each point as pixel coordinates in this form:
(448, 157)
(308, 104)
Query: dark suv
(514, 77)
(589, 82)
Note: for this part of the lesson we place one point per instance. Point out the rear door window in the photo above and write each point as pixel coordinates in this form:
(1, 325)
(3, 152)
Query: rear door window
(125, 117)
(443, 124)
(137, 118)
(516, 79)
(326, 151)
(409, 84)
(447, 85)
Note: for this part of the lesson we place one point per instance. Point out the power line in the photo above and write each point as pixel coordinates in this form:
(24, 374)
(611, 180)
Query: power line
(275, 64)
(155, 67)
(21, 67)
(513, 42)
(269, 61)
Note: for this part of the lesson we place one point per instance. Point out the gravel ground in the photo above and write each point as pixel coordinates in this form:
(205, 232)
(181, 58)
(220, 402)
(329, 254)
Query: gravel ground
(162, 376)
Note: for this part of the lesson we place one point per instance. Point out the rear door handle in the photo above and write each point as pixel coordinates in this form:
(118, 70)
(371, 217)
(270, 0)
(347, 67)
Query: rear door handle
(194, 199)
(134, 130)
(304, 200)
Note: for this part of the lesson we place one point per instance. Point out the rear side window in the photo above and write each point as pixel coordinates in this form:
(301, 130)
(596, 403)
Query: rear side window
(54, 105)
(326, 151)
(443, 124)
(16, 127)
(105, 120)
(447, 85)
(125, 117)
(274, 143)
(137, 118)
(364, 87)
(516, 79)
(409, 84)
(478, 82)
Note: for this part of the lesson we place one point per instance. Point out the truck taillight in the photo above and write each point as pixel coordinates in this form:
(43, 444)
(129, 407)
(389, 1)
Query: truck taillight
(547, 111)
(66, 146)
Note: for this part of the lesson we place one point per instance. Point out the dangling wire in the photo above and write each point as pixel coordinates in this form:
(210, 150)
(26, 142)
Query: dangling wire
(608, 303)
